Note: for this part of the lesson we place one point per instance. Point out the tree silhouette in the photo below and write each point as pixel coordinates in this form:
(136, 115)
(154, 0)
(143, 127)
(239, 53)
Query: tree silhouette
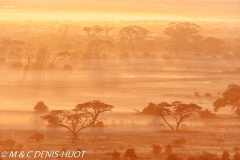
(230, 97)
(40, 107)
(130, 153)
(59, 57)
(42, 57)
(225, 155)
(73, 120)
(94, 109)
(15, 46)
(132, 33)
(63, 29)
(37, 137)
(93, 31)
(107, 30)
(213, 45)
(98, 45)
(181, 34)
(177, 110)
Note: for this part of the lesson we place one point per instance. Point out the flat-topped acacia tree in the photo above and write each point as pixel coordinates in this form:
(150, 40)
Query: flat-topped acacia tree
(74, 120)
(177, 110)
(94, 109)
(230, 98)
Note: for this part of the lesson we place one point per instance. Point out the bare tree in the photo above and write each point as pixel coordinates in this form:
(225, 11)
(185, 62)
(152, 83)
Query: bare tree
(59, 57)
(93, 31)
(94, 109)
(42, 57)
(98, 45)
(63, 29)
(107, 30)
(74, 120)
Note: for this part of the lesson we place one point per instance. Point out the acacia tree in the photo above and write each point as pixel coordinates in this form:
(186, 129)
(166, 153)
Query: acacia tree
(230, 97)
(181, 34)
(94, 109)
(98, 45)
(74, 120)
(15, 46)
(132, 33)
(177, 110)
(59, 57)
(93, 31)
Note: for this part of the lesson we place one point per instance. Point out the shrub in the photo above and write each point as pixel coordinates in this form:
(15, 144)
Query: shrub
(16, 65)
(236, 156)
(196, 94)
(156, 149)
(236, 149)
(123, 55)
(99, 124)
(168, 149)
(206, 114)
(115, 155)
(40, 107)
(67, 67)
(173, 156)
(130, 153)
(219, 140)
(208, 95)
(179, 142)
(37, 137)
(225, 155)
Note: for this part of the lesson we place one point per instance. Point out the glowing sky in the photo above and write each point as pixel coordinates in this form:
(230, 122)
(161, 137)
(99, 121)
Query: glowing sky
(217, 10)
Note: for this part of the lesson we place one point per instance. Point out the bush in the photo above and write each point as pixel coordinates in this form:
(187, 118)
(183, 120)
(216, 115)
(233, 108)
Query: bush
(37, 137)
(17, 65)
(236, 149)
(168, 149)
(130, 153)
(179, 142)
(208, 95)
(206, 114)
(236, 156)
(156, 149)
(67, 67)
(41, 107)
(173, 156)
(99, 124)
(219, 140)
(123, 55)
(225, 155)
(196, 94)
(115, 155)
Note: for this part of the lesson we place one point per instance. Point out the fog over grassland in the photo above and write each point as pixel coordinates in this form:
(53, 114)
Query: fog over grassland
(131, 79)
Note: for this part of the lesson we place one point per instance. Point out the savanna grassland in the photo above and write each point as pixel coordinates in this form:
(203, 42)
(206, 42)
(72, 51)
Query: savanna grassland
(130, 55)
